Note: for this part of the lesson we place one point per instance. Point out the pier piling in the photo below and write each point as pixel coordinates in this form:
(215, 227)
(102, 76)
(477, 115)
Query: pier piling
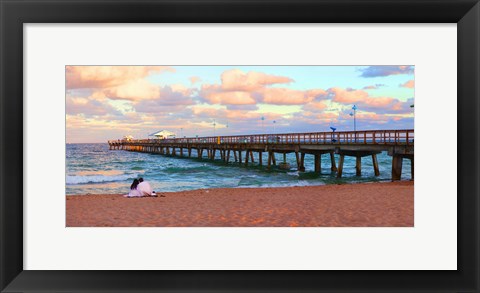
(397, 167)
(412, 168)
(358, 166)
(318, 164)
(375, 165)
(332, 159)
(340, 166)
(302, 162)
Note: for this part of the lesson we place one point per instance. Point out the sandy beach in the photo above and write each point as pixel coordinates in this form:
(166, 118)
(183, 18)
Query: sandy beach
(388, 204)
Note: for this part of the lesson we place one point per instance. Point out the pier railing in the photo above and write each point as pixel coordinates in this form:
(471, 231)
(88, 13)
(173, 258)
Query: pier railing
(368, 137)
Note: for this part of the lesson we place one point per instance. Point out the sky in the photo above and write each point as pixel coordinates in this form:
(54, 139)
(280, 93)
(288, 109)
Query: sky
(109, 102)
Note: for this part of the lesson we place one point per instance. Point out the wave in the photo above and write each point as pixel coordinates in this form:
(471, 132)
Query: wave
(72, 179)
(187, 169)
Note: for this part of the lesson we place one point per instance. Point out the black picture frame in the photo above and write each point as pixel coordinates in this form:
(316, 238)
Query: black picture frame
(466, 13)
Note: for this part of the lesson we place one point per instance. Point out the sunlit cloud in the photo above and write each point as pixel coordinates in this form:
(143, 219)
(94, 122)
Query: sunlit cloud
(194, 79)
(214, 94)
(364, 101)
(162, 106)
(240, 88)
(108, 76)
(315, 106)
(136, 90)
(285, 96)
(409, 84)
(88, 107)
(237, 80)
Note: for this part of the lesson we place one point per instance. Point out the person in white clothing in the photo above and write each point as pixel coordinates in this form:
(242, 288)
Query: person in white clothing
(134, 192)
(144, 187)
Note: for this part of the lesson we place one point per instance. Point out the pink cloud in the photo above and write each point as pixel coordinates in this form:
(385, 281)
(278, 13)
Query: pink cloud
(232, 115)
(135, 90)
(250, 117)
(360, 97)
(379, 102)
(237, 80)
(195, 79)
(240, 88)
(409, 84)
(180, 88)
(284, 96)
(347, 96)
(107, 76)
(372, 117)
(367, 103)
(88, 107)
(326, 116)
(141, 90)
(169, 99)
(215, 95)
(233, 98)
(201, 111)
(317, 93)
(315, 106)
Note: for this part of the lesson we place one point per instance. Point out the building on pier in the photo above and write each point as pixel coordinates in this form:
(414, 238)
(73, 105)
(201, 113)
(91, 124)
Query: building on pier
(163, 134)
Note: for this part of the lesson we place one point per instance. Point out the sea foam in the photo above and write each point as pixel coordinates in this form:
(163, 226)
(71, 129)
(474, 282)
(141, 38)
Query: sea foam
(73, 180)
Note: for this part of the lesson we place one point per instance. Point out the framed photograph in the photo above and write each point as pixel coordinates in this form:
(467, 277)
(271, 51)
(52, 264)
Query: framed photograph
(261, 146)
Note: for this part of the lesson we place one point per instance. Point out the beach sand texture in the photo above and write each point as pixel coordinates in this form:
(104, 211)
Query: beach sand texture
(389, 204)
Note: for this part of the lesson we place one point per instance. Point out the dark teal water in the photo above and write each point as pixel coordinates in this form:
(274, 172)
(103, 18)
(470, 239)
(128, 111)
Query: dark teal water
(94, 169)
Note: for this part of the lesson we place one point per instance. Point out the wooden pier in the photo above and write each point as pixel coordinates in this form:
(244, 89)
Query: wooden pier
(399, 144)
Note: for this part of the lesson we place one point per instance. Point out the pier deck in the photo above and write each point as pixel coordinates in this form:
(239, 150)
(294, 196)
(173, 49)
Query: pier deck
(398, 143)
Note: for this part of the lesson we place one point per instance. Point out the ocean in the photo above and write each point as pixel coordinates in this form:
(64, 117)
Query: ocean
(94, 169)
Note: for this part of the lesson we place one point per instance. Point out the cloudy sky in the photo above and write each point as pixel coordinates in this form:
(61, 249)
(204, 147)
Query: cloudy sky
(109, 102)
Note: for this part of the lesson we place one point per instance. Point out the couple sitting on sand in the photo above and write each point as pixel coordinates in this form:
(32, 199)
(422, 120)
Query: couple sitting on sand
(140, 188)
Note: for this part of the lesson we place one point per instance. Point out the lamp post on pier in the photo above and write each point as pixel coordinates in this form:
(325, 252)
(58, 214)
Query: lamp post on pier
(214, 126)
(333, 133)
(354, 108)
